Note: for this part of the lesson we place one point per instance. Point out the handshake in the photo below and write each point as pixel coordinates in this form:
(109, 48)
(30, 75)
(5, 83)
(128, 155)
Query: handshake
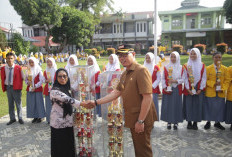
(89, 104)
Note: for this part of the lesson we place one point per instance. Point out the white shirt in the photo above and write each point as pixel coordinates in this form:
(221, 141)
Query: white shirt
(7, 72)
(157, 81)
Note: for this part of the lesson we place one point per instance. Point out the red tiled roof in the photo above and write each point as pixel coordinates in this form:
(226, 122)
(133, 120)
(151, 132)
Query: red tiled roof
(42, 41)
(4, 29)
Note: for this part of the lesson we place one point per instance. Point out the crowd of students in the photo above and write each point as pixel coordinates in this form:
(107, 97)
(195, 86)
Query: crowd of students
(179, 101)
(194, 96)
(40, 83)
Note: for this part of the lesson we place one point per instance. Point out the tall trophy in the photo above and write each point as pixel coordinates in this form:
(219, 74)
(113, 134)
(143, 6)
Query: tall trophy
(50, 82)
(81, 79)
(170, 70)
(191, 79)
(218, 75)
(29, 78)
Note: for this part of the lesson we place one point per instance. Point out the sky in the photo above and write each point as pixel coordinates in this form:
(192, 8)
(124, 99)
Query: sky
(9, 15)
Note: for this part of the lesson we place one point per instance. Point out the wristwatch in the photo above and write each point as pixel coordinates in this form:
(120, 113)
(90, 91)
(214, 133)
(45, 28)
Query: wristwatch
(140, 121)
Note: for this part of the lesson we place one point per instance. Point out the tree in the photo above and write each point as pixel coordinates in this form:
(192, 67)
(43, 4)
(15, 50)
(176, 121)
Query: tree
(20, 46)
(46, 13)
(3, 42)
(228, 10)
(95, 7)
(76, 28)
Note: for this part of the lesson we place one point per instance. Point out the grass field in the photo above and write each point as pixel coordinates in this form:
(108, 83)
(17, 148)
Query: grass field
(227, 61)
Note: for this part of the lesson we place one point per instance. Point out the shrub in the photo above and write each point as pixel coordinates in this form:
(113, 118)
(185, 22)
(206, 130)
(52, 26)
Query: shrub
(99, 48)
(143, 51)
(178, 48)
(88, 51)
(94, 51)
(151, 49)
(201, 47)
(34, 48)
(110, 51)
(222, 47)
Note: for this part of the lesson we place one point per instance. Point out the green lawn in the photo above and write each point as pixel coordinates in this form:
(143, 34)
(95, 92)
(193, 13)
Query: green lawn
(227, 60)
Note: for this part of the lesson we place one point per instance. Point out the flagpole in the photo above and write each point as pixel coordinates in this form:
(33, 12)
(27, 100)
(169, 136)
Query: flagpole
(155, 30)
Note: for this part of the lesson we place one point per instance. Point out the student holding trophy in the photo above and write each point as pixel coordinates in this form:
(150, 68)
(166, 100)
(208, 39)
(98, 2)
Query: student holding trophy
(171, 110)
(49, 75)
(155, 72)
(216, 87)
(35, 102)
(228, 119)
(195, 82)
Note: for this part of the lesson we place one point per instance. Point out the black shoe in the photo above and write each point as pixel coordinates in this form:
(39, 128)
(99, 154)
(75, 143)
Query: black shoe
(21, 121)
(169, 126)
(175, 127)
(189, 126)
(39, 120)
(231, 127)
(11, 122)
(207, 126)
(219, 126)
(195, 126)
(34, 120)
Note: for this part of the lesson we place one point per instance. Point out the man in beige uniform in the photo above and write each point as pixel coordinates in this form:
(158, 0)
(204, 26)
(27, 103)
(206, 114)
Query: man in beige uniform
(135, 88)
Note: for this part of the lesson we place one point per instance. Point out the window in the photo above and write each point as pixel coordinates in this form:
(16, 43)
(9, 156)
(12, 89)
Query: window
(145, 27)
(36, 32)
(166, 20)
(189, 42)
(106, 28)
(206, 21)
(176, 42)
(129, 27)
(176, 22)
(117, 28)
(193, 23)
(141, 27)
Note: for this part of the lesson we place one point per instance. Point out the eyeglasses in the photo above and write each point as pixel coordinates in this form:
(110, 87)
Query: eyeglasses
(62, 76)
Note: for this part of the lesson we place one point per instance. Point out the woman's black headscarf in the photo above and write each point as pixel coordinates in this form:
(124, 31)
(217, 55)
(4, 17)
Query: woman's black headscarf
(67, 107)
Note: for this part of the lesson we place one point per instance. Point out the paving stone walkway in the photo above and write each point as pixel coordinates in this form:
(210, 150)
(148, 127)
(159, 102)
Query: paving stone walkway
(33, 140)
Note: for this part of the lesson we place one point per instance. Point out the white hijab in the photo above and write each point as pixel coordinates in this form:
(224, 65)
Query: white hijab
(53, 69)
(36, 69)
(150, 66)
(75, 62)
(115, 65)
(95, 65)
(177, 67)
(196, 65)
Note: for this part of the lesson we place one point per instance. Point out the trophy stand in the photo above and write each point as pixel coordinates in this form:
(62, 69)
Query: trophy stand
(49, 83)
(218, 75)
(112, 115)
(83, 119)
(115, 129)
(191, 79)
(29, 78)
(169, 87)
